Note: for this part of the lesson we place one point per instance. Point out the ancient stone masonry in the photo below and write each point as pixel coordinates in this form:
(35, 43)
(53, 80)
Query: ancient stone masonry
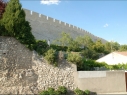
(24, 72)
(44, 27)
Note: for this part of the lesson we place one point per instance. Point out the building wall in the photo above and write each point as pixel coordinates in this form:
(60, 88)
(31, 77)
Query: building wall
(113, 58)
(44, 27)
(101, 81)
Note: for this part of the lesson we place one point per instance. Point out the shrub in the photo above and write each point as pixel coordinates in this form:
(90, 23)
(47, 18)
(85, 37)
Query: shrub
(51, 91)
(40, 47)
(78, 92)
(44, 93)
(74, 58)
(51, 57)
(57, 92)
(89, 64)
(62, 90)
(59, 48)
(87, 92)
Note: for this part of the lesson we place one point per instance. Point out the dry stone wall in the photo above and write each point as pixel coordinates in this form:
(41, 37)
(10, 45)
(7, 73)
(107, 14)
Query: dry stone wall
(24, 72)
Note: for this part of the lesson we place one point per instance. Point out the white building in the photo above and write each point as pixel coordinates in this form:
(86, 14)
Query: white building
(114, 58)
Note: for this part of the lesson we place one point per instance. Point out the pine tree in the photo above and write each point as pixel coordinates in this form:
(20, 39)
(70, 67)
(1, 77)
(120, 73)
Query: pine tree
(15, 23)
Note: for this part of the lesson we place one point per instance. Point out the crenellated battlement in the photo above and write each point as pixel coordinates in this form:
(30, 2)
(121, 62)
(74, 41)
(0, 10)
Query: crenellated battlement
(51, 28)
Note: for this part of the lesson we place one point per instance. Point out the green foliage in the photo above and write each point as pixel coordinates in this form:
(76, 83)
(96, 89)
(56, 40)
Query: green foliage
(84, 41)
(62, 90)
(117, 67)
(41, 47)
(67, 41)
(115, 46)
(77, 91)
(98, 46)
(123, 48)
(44, 93)
(14, 24)
(74, 58)
(64, 40)
(51, 56)
(59, 48)
(107, 47)
(73, 46)
(51, 91)
(89, 64)
(87, 92)
(90, 54)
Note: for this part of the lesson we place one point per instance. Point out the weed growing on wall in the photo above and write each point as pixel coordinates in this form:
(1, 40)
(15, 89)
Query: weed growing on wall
(51, 91)
(62, 90)
(79, 92)
(51, 56)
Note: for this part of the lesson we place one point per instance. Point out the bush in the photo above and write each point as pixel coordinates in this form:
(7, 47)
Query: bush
(44, 93)
(59, 48)
(74, 58)
(51, 91)
(62, 90)
(89, 64)
(87, 92)
(51, 56)
(78, 92)
(40, 47)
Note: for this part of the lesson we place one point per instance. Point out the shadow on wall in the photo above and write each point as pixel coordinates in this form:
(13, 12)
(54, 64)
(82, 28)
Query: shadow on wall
(93, 93)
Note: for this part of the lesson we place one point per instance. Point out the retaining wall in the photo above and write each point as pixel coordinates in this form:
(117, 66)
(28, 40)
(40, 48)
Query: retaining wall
(24, 72)
(101, 81)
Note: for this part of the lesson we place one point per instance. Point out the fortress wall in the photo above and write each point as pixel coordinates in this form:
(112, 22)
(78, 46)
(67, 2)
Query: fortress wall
(44, 27)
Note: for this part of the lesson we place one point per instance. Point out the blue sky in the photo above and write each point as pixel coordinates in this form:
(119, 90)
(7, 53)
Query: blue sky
(106, 19)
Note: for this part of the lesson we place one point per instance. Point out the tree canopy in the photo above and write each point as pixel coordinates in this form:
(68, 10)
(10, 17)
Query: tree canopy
(15, 24)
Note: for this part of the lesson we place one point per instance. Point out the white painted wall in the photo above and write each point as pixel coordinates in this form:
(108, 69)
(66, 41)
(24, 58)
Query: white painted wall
(113, 58)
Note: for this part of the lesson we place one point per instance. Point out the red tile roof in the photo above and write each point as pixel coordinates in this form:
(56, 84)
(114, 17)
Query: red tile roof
(122, 53)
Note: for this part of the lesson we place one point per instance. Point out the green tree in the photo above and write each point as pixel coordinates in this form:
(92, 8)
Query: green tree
(64, 39)
(90, 54)
(84, 41)
(16, 25)
(114, 46)
(3, 31)
(123, 48)
(107, 47)
(98, 47)
(73, 45)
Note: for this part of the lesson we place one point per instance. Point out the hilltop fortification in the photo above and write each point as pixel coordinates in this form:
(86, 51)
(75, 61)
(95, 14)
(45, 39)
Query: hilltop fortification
(44, 27)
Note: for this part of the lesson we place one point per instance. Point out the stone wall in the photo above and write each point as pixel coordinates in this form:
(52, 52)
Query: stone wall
(24, 72)
(44, 27)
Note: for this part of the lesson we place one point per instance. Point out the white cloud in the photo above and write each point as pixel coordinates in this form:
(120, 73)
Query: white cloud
(49, 2)
(106, 25)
